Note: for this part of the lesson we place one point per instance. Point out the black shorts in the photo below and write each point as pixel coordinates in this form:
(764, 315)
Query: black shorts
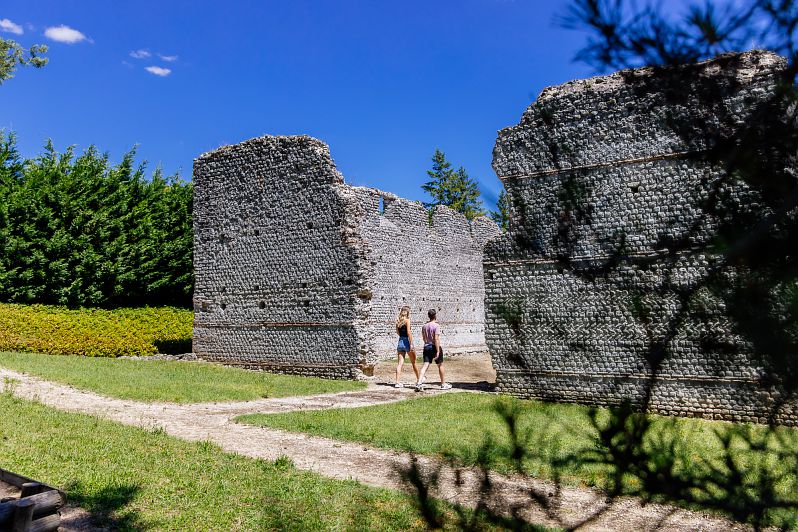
(429, 354)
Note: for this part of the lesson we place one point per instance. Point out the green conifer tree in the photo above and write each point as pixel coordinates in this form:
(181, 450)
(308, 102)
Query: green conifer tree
(80, 231)
(464, 195)
(502, 213)
(440, 176)
(452, 188)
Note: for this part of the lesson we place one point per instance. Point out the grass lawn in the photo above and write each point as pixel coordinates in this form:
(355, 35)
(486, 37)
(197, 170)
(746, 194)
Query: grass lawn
(454, 424)
(163, 380)
(457, 424)
(133, 479)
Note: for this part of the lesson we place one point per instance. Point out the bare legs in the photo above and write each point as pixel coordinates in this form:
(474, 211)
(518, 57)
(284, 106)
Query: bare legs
(424, 369)
(423, 375)
(400, 362)
(413, 362)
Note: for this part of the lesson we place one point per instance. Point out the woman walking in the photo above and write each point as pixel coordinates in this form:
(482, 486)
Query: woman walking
(405, 345)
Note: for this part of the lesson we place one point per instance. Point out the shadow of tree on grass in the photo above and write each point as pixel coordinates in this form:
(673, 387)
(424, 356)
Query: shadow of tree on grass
(108, 505)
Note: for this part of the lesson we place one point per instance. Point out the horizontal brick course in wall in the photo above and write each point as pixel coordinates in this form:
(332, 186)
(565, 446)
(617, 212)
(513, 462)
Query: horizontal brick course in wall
(600, 185)
(297, 272)
(424, 262)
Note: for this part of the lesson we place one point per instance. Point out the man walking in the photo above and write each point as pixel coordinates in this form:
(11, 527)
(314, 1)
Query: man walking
(431, 334)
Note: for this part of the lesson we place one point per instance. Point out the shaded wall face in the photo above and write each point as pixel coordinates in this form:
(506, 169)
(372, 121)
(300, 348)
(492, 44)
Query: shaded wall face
(275, 279)
(636, 114)
(423, 266)
(604, 180)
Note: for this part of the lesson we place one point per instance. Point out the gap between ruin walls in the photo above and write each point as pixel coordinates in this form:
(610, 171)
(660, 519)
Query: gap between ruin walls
(423, 262)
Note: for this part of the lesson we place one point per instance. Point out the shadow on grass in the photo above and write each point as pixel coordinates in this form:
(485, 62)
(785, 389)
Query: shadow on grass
(487, 513)
(108, 505)
(750, 477)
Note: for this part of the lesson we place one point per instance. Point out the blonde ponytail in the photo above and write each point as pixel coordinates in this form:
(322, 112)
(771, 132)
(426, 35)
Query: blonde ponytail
(404, 316)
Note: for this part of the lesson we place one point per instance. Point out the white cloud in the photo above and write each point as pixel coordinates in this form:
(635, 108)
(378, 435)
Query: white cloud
(64, 34)
(158, 71)
(168, 58)
(8, 26)
(140, 54)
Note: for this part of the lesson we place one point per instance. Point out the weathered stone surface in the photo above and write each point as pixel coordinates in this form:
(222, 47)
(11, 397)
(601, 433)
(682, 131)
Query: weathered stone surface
(596, 170)
(298, 272)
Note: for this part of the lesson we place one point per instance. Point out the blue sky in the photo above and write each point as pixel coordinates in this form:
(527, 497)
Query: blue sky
(383, 83)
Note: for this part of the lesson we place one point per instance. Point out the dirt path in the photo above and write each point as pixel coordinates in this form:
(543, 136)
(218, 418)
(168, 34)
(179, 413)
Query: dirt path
(463, 372)
(345, 460)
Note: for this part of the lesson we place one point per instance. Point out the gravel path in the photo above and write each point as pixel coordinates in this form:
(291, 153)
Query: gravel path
(345, 460)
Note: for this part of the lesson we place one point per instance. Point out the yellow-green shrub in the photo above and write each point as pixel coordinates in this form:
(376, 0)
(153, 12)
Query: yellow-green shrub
(94, 332)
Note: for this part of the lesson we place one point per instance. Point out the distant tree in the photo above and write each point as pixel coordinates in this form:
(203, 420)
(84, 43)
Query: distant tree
(465, 195)
(502, 213)
(438, 185)
(12, 54)
(452, 188)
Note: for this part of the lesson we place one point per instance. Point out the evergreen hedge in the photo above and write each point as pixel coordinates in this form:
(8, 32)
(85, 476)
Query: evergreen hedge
(95, 332)
(78, 231)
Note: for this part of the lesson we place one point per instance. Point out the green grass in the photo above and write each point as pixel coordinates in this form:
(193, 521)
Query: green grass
(454, 424)
(133, 479)
(457, 425)
(171, 381)
(95, 332)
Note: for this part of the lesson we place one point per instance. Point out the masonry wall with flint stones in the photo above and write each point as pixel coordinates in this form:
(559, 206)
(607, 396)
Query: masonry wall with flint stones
(298, 272)
(606, 178)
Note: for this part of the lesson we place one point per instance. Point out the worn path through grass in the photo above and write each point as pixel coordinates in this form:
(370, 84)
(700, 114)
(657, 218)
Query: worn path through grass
(342, 460)
(129, 478)
(166, 380)
(457, 425)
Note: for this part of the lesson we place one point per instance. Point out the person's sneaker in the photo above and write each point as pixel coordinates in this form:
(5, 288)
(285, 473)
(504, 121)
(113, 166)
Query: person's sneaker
(446, 386)
(420, 384)
(398, 385)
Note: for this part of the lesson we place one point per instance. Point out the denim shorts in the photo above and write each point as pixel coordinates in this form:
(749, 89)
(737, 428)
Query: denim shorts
(404, 345)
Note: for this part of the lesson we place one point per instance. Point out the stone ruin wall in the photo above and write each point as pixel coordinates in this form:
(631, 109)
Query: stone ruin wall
(606, 146)
(297, 272)
(276, 281)
(424, 264)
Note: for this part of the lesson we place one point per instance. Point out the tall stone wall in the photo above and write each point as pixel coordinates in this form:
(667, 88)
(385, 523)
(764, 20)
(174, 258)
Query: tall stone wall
(276, 279)
(601, 180)
(298, 272)
(424, 263)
